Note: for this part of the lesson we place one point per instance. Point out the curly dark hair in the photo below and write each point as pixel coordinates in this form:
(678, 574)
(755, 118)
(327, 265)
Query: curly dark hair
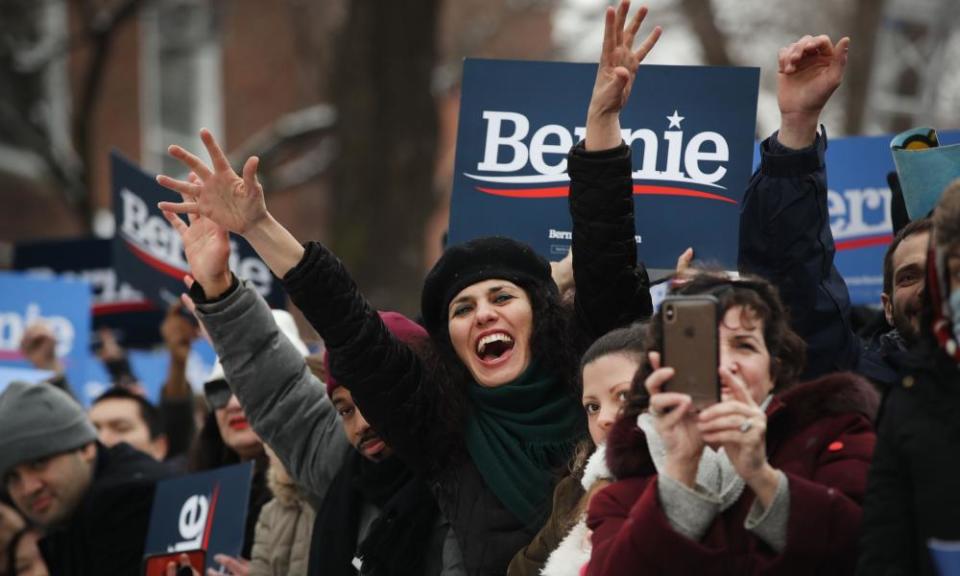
(761, 300)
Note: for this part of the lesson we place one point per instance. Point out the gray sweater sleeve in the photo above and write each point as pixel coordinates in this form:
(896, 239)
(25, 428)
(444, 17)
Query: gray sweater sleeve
(690, 512)
(285, 403)
(770, 525)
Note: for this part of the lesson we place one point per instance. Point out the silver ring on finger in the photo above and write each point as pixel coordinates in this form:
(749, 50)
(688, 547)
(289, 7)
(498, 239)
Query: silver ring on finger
(746, 426)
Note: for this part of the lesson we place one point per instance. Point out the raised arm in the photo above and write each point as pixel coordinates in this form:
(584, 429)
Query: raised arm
(611, 289)
(287, 406)
(616, 72)
(785, 233)
(383, 374)
(233, 203)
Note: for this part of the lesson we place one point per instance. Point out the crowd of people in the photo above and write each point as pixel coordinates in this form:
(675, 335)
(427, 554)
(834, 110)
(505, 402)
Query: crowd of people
(526, 423)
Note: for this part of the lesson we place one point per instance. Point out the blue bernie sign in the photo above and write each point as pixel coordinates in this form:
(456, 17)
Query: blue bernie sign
(63, 305)
(207, 511)
(691, 130)
(859, 200)
(148, 252)
(116, 304)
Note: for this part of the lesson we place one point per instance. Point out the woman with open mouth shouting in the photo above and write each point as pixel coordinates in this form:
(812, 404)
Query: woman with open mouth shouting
(492, 414)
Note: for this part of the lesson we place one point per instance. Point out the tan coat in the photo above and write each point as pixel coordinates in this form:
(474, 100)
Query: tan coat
(281, 544)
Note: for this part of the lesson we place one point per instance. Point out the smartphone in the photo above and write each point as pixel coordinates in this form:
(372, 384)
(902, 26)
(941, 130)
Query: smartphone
(691, 347)
(156, 564)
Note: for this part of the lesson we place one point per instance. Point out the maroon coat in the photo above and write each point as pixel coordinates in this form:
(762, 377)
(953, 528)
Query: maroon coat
(818, 433)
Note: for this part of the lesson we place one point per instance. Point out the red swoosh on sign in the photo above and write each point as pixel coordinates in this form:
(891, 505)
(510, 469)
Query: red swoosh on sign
(156, 263)
(638, 190)
(853, 244)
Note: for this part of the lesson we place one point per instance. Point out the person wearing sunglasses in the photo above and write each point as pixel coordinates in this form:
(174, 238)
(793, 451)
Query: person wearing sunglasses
(227, 438)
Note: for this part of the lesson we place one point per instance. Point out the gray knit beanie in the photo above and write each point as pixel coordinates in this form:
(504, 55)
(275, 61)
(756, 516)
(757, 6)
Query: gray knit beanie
(38, 420)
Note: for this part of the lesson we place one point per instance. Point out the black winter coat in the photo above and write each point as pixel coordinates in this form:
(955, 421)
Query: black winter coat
(785, 237)
(913, 492)
(398, 397)
(108, 531)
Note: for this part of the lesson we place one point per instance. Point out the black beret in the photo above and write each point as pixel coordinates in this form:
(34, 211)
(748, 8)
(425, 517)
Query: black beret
(476, 261)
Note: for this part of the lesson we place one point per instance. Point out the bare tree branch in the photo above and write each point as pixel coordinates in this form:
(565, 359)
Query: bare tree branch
(713, 41)
(865, 22)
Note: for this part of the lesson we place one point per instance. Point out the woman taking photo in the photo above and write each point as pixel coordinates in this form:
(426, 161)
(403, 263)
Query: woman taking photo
(767, 481)
(494, 412)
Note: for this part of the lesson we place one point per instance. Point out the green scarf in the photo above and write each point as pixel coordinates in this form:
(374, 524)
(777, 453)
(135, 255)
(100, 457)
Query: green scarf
(518, 434)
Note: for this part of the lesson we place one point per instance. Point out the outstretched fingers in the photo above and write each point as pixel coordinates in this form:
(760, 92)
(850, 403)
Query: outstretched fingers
(608, 36)
(630, 33)
(250, 173)
(219, 159)
(179, 225)
(190, 189)
(179, 207)
(622, 11)
(648, 43)
(193, 163)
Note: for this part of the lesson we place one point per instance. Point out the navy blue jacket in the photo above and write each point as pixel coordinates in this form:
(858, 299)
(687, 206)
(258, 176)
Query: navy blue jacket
(785, 237)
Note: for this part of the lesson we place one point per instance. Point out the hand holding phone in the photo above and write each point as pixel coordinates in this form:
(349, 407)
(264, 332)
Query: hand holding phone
(186, 563)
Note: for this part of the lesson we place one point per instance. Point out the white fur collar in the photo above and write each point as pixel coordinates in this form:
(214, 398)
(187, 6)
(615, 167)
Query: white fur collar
(596, 468)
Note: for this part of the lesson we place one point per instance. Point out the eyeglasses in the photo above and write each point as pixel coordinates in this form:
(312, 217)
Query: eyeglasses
(218, 394)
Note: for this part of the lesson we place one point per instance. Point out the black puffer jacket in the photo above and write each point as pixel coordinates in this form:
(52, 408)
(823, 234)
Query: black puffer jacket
(912, 492)
(400, 399)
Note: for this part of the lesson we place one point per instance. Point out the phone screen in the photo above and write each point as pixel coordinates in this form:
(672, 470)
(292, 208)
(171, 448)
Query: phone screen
(156, 564)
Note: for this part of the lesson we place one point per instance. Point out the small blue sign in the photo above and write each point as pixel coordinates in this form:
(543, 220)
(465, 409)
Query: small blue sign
(148, 252)
(691, 130)
(116, 304)
(858, 201)
(63, 305)
(207, 510)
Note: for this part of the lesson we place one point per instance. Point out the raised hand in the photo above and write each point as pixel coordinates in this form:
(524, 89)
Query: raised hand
(615, 74)
(676, 422)
(809, 71)
(740, 426)
(206, 245)
(217, 193)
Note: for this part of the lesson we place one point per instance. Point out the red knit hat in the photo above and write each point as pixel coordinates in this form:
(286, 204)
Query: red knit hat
(402, 328)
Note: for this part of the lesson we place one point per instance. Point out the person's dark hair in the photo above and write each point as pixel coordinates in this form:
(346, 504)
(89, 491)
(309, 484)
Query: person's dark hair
(915, 227)
(758, 298)
(629, 340)
(209, 451)
(148, 412)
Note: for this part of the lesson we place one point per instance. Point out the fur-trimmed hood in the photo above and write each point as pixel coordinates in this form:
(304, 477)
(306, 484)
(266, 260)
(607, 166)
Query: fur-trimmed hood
(791, 411)
(284, 489)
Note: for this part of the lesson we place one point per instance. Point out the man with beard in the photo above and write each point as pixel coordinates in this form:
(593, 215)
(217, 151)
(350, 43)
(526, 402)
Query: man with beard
(785, 231)
(374, 516)
(92, 502)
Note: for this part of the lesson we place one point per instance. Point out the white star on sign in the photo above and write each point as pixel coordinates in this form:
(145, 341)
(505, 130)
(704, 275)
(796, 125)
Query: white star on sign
(675, 120)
